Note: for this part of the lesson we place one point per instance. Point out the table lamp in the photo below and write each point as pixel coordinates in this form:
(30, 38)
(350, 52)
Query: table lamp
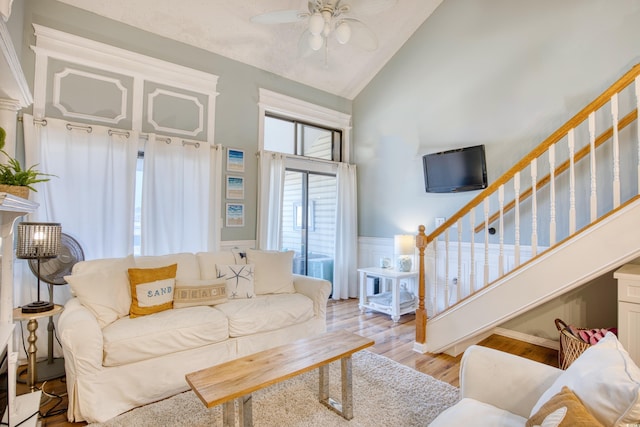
(38, 240)
(404, 248)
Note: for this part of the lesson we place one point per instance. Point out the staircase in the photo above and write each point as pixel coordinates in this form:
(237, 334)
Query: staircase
(563, 215)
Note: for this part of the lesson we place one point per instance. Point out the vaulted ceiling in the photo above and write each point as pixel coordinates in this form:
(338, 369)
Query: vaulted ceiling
(225, 28)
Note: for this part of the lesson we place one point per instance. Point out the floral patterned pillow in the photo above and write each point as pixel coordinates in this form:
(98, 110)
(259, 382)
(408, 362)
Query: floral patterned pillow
(239, 279)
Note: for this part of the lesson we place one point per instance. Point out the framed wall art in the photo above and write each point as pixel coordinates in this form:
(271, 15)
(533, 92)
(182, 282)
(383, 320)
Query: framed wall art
(235, 160)
(235, 187)
(235, 215)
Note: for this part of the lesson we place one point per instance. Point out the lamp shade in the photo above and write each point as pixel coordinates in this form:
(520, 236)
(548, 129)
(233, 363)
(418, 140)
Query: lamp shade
(38, 240)
(404, 244)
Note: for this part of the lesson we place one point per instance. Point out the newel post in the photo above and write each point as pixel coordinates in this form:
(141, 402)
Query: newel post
(421, 312)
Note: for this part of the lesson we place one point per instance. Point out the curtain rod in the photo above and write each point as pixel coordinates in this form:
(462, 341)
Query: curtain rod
(124, 133)
(294, 157)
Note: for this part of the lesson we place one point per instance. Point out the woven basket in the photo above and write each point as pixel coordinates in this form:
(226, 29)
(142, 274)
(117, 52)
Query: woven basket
(16, 190)
(571, 347)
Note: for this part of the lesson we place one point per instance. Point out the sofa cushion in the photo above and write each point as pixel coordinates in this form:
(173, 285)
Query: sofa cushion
(563, 410)
(151, 289)
(265, 313)
(103, 287)
(208, 261)
(273, 271)
(239, 279)
(190, 293)
(141, 338)
(188, 267)
(471, 412)
(606, 380)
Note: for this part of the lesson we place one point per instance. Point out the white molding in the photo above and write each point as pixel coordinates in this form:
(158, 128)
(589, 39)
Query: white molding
(79, 50)
(8, 113)
(143, 69)
(294, 108)
(151, 98)
(419, 347)
(12, 77)
(57, 81)
(531, 339)
(227, 245)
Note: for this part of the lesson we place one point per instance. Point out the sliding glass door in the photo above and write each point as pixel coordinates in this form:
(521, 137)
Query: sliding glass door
(308, 221)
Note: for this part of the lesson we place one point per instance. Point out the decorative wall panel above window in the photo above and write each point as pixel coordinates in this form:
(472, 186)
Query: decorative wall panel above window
(110, 101)
(84, 81)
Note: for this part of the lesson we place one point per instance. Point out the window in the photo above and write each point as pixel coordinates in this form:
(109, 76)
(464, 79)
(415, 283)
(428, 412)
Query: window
(309, 135)
(291, 136)
(291, 126)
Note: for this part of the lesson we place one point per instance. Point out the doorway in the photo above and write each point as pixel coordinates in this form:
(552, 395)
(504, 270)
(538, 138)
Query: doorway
(309, 222)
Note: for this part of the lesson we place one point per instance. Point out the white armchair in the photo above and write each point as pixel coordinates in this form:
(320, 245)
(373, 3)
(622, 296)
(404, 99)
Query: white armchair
(500, 389)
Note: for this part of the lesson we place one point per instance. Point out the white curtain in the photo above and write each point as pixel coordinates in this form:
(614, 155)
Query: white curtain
(176, 192)
(91, 195)
(92, 192)
(270, 194)
(345, 280)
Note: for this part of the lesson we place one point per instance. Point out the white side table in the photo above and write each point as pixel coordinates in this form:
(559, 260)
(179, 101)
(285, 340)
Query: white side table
(390, 279)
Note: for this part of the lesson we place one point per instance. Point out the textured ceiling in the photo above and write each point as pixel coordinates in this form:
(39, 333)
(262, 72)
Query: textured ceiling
(224, 27)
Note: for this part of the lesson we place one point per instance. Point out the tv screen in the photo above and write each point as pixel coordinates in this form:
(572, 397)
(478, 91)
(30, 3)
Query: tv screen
(462, 169)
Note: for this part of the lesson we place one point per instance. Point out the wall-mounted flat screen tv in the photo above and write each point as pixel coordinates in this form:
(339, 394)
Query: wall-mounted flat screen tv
(452, 171)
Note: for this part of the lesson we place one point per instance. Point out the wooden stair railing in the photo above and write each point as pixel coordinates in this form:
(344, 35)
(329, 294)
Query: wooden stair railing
(586, 116)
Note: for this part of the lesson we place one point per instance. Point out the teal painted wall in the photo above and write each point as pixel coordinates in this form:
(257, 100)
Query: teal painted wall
(238, 84)
(504, 73)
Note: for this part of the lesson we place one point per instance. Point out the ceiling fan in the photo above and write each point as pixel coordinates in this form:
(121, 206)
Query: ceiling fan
(328, 19)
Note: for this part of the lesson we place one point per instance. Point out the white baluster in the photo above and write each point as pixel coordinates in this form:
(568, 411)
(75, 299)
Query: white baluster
(501, 230)
(486, 242)
(446, 269)
(552, 195)
(460, 281)
(616, 152)
(534, 208)
(592, 154)
(436, 287)
(516, 189)
(472, 269)
(637, 87)
(572, 183)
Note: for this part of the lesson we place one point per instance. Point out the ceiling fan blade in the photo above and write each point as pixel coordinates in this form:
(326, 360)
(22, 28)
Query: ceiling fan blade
(361, 35)
(280, 17)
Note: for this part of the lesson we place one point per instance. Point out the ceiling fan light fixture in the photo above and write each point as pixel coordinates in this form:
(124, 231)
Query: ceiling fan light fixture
(343, 32)
(326, 30)
(316, 41)
(316, 24)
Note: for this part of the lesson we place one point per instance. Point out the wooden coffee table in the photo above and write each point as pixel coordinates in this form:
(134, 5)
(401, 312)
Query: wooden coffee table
(237, 379)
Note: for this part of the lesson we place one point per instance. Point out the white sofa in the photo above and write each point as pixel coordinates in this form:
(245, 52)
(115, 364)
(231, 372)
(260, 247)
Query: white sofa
(500, 389)
(114, 362)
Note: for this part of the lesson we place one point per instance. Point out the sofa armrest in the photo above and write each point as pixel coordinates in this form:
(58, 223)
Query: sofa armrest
(504, 380)
(318, 290)
(81, 338)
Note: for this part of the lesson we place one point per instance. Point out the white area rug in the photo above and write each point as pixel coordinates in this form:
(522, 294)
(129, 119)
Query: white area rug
(385, 393)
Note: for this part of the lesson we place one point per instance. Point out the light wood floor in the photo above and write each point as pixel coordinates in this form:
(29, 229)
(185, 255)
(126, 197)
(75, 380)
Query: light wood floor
(394, 341)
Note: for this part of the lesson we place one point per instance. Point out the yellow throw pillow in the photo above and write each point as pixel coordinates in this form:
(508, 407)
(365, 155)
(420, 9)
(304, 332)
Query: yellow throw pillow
(151, 289)
(577, 415)
(190, 293)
